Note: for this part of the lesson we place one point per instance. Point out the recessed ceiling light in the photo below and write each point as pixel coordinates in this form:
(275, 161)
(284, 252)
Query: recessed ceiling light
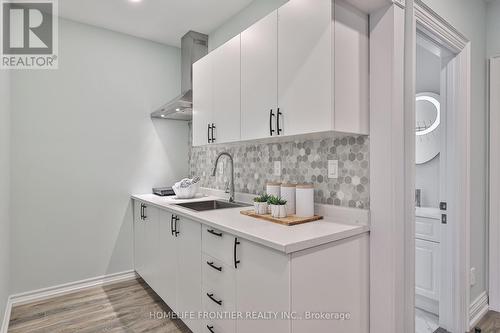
(135, 1)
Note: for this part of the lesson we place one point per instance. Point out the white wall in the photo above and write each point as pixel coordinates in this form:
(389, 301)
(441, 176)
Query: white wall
(4, 190)
(82, 142)
(469, 17)
(244, 19)
(428, 79)
(493, 28)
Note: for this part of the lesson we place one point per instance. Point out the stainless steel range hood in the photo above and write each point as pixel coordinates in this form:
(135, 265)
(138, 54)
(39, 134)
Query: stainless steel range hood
(194, 46)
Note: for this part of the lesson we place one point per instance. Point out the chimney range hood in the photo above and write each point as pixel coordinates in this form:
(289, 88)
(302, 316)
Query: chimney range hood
(194, 46)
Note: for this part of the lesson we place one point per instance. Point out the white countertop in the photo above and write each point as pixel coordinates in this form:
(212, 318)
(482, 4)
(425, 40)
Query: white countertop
(286, 239)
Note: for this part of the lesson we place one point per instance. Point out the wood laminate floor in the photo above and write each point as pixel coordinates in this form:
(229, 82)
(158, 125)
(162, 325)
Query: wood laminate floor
(128, 306)
(490, 323)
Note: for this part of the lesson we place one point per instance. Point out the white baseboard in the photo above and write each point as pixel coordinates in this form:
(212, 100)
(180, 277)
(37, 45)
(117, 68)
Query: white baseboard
(478, 309)
(63, 289)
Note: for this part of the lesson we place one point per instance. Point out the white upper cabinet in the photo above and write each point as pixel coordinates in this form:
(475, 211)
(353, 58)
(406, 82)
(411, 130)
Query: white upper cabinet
(259, 78)
(226, 92)
(305, 66)
(351, 60)
(202, 100)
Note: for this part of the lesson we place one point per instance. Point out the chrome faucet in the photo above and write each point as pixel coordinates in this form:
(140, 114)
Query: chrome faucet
(231, 192)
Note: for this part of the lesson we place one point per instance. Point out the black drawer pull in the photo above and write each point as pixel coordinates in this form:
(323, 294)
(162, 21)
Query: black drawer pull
(211, 264)
(236, 243)
(213, 137)
(211, 329)
(211, 296)
(208, 133)
(144, 216)
(142, 211)
(213, 232)
(172, 225)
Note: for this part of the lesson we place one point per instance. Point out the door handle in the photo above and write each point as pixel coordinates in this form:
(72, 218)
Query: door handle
(208, 133)
(278, 129)
(142, 211)
(213, 137)
(176, 231)
(271, 115)
(236, 261)
(172, 225)
(144, 216)
(211, 264)
(211, 296)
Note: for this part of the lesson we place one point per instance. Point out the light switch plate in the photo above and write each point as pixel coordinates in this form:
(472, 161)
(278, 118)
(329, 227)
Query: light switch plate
(277, 168)
(333, 169)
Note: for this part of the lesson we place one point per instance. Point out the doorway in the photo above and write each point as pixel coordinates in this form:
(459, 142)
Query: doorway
(442, 172)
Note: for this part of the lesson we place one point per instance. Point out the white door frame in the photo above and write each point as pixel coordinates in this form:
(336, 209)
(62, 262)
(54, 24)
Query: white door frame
(455, 242)
(392, 166)
(494, 225)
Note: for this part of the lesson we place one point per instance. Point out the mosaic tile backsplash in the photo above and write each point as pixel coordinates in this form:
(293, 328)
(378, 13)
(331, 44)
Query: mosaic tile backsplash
(302, 161)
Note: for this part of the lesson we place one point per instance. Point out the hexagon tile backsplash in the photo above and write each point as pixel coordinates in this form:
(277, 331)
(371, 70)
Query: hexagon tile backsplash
(302, 161)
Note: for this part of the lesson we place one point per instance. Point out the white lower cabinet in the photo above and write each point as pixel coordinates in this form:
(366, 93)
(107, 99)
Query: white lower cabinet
(241, 286)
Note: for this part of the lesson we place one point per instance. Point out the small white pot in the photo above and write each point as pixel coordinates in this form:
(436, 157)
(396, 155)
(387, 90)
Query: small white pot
(260, 208)
(278, 211)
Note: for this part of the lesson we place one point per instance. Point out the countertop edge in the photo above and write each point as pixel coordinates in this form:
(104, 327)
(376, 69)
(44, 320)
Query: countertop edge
(284, 248)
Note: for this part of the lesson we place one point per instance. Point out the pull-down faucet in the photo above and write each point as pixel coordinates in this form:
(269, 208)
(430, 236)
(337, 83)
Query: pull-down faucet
(231, 193)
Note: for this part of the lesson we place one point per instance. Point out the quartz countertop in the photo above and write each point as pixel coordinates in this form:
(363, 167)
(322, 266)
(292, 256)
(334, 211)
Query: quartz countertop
(287, 239)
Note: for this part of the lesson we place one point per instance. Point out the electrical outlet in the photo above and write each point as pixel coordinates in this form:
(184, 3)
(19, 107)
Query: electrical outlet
(333, 169)
(221, 168)
(277, 168)
(473, 276)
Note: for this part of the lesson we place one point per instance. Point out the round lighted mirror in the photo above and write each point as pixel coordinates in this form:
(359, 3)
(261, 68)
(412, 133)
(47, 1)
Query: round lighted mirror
(427, 131)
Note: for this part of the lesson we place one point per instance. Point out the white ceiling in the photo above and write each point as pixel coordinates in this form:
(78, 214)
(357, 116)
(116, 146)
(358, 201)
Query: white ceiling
(163, 21)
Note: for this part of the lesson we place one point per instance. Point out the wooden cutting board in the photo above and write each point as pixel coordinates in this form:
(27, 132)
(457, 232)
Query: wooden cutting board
(289, 220)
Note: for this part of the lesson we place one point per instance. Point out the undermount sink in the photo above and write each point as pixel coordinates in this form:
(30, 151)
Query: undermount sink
(200, 206)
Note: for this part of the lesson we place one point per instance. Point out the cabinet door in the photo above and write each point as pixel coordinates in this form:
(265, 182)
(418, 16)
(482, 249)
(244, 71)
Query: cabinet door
(305, 66)
(226, 91)
(152, 245)
(167, 262)
(189, 270)
(259, 78)
(140, 244)
(202, 100)
(427, 269)
(262, 284)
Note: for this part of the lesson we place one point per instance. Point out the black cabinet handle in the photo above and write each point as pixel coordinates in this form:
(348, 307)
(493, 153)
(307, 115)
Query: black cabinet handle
(278, 129)
(213, 137)
(236, 243)
(208, 133)
(211, 296)
(176, 230)
(271, 115)
(172, 225)
(142, 211)
(144, 216)
(213, 232)
(211, 264)
(211, 329)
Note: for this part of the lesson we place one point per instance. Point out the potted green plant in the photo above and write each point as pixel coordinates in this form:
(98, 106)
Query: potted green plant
(278, 207)
(260, 204)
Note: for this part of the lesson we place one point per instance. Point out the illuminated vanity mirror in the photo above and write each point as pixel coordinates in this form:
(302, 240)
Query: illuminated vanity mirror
(427, 129)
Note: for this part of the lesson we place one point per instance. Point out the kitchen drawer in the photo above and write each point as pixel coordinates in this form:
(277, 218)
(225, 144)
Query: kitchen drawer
(220, 282)
(218, 244)
(219, 326)
(428, 229)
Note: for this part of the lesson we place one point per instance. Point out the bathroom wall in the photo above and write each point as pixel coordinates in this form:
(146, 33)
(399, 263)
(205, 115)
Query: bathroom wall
(303, 160)
(428, 80)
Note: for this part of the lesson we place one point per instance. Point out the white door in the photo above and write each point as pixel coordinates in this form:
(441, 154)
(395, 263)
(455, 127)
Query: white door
(262, 284)
(259, 78)
(202, 100)
(140, 244)
(227, 91)
(189, 270)
(167, 260)
(305, 66)
(427, 269)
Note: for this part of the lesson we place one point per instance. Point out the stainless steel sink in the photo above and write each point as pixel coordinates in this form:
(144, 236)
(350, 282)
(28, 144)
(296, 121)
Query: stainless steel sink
(200, 206)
